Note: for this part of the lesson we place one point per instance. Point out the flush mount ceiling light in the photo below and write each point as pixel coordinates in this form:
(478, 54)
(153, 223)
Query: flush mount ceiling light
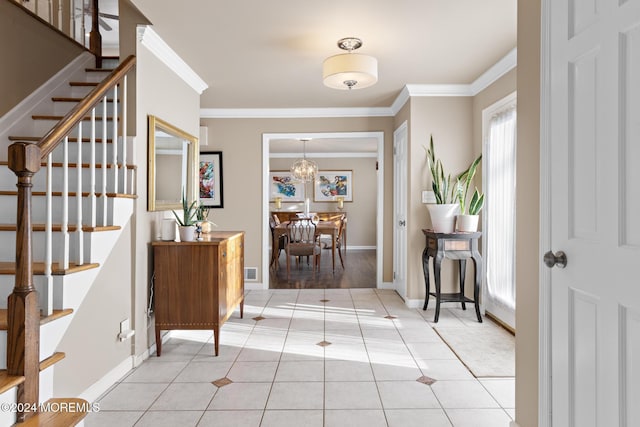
(350, 70)
(304, 170)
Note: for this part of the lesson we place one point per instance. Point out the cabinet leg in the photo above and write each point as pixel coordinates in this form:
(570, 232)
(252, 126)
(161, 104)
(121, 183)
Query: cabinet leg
(437, 263)
(462, 265)
(242, 308)
(425, 271)
(216, 337)
(158, 342)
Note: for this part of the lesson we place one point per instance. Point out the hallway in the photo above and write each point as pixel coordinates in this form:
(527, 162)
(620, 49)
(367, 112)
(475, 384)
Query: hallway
(316, 357)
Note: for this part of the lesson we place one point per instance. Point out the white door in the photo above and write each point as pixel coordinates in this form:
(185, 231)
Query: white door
(594, 158)
(400, 210)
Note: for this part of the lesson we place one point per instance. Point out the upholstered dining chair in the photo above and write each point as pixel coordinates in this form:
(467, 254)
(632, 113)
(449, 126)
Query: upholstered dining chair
(302, 240)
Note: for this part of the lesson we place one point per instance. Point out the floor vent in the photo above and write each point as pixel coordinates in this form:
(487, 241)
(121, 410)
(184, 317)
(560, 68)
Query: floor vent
(251, 274)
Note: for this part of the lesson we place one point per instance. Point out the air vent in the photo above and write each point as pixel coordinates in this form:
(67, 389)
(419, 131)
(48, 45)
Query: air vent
(251, 274)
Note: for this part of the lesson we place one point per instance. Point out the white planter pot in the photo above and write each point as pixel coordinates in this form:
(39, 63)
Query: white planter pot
(467, 223)
(443, 217)
(187, 233)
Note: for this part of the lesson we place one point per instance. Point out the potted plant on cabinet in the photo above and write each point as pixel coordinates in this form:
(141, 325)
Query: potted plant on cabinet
(467, 220)
(443, 211)
(187, 222)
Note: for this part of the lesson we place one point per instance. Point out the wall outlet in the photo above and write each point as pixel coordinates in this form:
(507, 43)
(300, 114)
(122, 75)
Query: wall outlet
(125, 330)
(125, 325)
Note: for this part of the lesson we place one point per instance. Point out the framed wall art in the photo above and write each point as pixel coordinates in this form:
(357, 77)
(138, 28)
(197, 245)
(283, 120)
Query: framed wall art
(210, 173)
(282, 184)
(332, 184)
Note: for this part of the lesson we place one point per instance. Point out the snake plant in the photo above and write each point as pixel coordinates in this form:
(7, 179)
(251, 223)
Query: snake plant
(439, 183)
(189, 212)
(463, 182)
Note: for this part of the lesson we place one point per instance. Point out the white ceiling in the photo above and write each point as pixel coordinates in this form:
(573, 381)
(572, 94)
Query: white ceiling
(269, 54)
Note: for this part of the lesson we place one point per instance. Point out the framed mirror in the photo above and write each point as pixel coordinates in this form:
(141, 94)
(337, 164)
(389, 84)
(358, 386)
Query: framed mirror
(173, 166)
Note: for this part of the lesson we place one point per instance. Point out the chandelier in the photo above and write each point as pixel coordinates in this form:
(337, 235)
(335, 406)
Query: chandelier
(350, 70)
(304, 170)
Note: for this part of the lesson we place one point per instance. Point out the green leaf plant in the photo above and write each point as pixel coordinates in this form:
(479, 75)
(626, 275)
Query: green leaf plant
(463, 183)
(439, 183)
(189, 212)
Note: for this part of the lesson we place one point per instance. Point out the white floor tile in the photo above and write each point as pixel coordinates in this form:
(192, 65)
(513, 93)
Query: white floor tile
(170, 419)
(431, 350)
(452, 369)
(230, 418)
(112, 418)
(351, 395)
(296, 418)
(240, 396)
(160, 372)
(203, 371)
(406, 395)
(396, 371)
(294, 371)
(253, 372)
(502, 389)
(417, 418)
(345, 370)
(131, 397)
(296, 396)
(463, 394)
(478, 417)
(354, 418)
(185, 397)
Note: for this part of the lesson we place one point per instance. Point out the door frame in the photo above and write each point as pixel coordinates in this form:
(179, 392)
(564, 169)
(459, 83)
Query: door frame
(266, 231)
(401, 133)
(544, 291)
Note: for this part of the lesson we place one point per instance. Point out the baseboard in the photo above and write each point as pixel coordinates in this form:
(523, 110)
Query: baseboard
(254, 286)
(367, 248)
(387, 285)
(152, 349)
(103, 384)
(513, 424)
(414, 303)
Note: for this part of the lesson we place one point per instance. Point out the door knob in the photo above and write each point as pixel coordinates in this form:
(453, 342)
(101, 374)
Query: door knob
(558, 259)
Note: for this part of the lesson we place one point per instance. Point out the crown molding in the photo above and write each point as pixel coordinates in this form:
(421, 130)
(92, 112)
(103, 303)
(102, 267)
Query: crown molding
(290, 113)
(499, 69)
(152, 41)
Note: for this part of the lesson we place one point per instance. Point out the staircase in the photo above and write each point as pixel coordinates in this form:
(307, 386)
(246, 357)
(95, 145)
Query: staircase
(74, 192)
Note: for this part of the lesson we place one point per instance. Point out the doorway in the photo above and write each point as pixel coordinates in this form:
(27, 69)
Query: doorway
(344, 139)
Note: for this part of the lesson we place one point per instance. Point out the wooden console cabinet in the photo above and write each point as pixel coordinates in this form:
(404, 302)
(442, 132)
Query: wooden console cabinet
(198, 284)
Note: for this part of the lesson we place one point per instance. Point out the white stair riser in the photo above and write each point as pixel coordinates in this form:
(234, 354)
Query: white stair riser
(8, 179)
(62, 108)
(8, 249)
(41, 127)
(7, 418)
(8, 210)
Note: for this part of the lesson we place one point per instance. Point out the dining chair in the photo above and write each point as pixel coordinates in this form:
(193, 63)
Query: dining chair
(278, 245)
(302, 240)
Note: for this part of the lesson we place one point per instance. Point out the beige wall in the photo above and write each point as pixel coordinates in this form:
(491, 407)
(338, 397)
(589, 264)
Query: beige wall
(240, 141)
(449, 120)
(31, 54)
(361, 212)
(527, 212)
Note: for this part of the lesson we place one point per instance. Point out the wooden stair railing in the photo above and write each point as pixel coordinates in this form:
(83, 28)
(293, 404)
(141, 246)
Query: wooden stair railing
(23, 316)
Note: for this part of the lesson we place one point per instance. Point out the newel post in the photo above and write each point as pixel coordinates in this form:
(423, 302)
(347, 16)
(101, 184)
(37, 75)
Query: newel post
(23, 316)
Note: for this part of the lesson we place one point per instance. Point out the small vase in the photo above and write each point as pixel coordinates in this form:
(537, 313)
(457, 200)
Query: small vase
(187, 233)
(467, 223)
(443, 216)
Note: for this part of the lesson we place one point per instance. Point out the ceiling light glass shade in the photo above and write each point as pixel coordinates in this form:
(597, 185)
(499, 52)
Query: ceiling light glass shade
(350, 71)
(304, 170)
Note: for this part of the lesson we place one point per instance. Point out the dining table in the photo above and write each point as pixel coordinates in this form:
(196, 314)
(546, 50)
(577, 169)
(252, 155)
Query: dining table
(329, 228)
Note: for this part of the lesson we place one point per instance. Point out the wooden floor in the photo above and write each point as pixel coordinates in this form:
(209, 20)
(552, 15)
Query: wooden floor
(359, 272)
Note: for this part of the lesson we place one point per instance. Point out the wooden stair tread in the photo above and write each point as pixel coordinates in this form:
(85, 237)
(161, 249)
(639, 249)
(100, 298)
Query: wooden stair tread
(84, 83)
(66, 412)
(58, 227)
(37, 138)
(71, 194)
(72, 99)
(47, 117)
(9, 268)
(97, 70)
(7, 382)
(52, 360)
(74, 165)
(57, 314)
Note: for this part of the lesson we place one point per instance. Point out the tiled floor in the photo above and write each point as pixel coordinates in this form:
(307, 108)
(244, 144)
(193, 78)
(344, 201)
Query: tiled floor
(331, 357)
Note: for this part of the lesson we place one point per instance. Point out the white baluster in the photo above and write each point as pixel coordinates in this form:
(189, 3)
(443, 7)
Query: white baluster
(104, 161)
(60, 26)
(50, 7)
(79, 233)
(92, 169)
(115, 139)
(65, 203)
(124, 135)
(47, 291)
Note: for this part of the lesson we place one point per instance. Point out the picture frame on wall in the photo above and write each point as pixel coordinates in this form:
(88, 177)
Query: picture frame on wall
(283, 185)
(210, 178)
(332, 184)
